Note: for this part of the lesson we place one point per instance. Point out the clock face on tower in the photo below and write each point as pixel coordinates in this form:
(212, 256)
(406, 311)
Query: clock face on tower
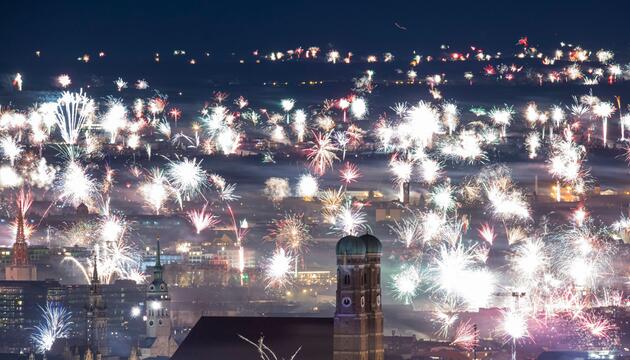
(346, 302)
(378, 300)
(362, 301)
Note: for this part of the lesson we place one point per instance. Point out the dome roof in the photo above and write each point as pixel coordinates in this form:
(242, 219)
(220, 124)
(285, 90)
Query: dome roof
(351, 245)
(372, 244)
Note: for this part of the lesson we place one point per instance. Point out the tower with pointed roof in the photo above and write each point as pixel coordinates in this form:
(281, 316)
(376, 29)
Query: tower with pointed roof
(159, 339)
(96, 316)
(358, 324)
(20, 268)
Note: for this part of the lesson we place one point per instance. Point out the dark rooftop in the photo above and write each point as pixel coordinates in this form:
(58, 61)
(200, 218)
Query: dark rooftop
(563, 355)
(219, 338)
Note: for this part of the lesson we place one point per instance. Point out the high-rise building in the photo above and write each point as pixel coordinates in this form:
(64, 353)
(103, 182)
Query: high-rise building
(358, 324)
(20, 311)
(96, 316)
(21, 304)
(20, 268)
(159, 341)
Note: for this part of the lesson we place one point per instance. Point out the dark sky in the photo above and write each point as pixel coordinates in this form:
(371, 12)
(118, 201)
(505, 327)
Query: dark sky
(242, 25)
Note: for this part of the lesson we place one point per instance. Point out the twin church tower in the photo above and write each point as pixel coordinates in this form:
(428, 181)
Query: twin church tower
(358, 329)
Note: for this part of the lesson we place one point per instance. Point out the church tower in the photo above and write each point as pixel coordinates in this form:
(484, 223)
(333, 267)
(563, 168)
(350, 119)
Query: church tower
(96, 311)
(375, 312)
(358, 324)
(20, 269)
(159, 339)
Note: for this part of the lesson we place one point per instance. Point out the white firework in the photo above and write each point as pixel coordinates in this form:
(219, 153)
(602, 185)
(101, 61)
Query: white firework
(307, 186)
(502, 117)
(408, 230)
(187, 176)
(277, 189)
(115, 119)
(55, 324)
(532, 141)
(64, 80)
(11, 149)
(359, 108)
(156, 190)
(422, 123)
(77, 185)
(73, 112)
(430, 170)
(443, 198)
(9, 178)
(350, 220)
(278, 269)
(406, 283)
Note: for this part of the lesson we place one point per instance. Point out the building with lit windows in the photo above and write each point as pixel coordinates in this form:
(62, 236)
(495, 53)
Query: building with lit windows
(20, 310)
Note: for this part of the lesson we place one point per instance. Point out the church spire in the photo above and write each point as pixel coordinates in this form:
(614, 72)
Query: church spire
(20, 237)
(20, 248)
(95, 279)
(157, 269)
(158, 263)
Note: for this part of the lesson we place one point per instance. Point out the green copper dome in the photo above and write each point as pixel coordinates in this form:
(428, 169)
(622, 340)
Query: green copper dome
(351, 245)
(372, 244)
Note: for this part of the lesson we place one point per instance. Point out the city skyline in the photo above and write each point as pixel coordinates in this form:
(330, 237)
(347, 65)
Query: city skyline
(353, 181)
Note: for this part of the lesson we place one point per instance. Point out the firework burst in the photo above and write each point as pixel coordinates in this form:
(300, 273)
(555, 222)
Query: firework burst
(55, 324)
(73, 111)
(278, 269)
(276, 189)
(466, 336)
(187, 177)
(291, 233)
(201, 219)
(322, 154)
(406, 283)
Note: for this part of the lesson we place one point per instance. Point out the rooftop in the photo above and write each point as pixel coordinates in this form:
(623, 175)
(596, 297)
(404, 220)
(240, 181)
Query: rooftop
(219, 336)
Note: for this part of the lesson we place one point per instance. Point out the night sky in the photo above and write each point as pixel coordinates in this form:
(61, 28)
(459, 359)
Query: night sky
(137, 27)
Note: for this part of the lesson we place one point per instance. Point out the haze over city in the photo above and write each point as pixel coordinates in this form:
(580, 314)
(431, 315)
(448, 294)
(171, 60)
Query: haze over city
(285, 180)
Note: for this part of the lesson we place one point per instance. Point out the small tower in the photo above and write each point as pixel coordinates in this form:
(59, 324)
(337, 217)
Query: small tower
(358, 327)
(406, 198)
(20, 268)
(159, 339)
(96, 314)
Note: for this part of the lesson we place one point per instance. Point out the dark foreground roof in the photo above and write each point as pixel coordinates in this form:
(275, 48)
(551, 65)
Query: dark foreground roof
(563, 355)
(6, 356)
(217, 338)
